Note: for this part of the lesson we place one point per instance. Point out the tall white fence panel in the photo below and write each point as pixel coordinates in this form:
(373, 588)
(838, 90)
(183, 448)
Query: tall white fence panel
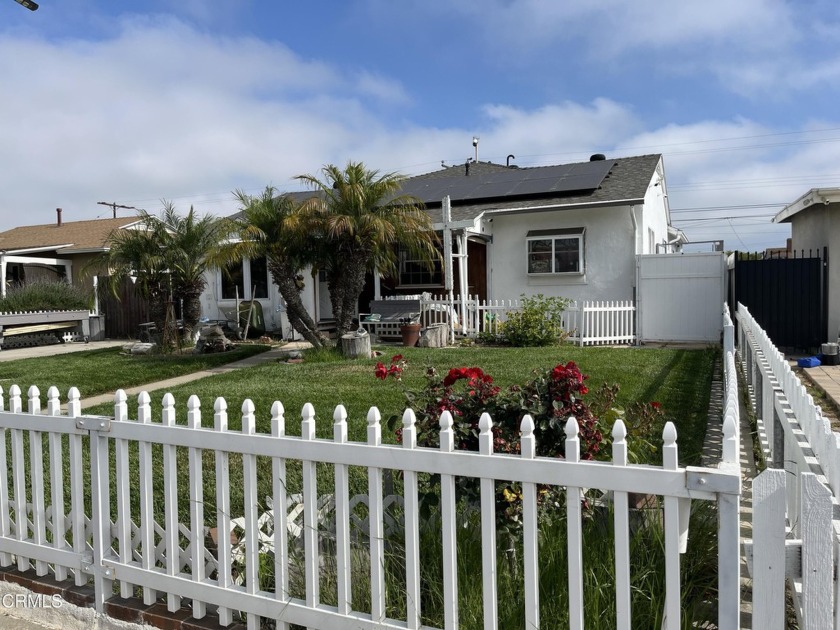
(679, 297)
(173, 559)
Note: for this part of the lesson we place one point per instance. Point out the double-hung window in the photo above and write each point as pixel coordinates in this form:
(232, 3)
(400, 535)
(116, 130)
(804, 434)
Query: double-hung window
(417, 273)
(555, 251)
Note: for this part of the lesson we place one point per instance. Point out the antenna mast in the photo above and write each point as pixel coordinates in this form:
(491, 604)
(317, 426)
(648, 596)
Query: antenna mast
(114, 205)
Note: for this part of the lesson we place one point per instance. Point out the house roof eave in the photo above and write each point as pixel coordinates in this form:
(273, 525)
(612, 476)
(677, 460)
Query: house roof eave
(570, 206)
(815, 196)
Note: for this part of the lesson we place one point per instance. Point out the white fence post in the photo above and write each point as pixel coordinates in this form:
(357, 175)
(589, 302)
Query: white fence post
(100, 517)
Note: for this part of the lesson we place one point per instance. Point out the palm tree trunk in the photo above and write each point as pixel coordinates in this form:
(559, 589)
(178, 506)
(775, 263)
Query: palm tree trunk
(346, 285)
(299, 318)
(191, 311)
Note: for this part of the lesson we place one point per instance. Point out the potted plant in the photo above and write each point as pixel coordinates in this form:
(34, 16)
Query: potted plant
(410, 331)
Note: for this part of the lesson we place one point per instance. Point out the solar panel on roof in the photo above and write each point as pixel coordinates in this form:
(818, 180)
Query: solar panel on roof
(510, 182)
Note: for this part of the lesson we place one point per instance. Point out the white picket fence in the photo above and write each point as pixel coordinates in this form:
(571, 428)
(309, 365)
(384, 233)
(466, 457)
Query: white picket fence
(588, 322)
(128, 550)
(795, 538)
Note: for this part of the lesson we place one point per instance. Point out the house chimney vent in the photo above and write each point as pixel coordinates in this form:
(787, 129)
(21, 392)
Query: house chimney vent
(58, 217)
(597, 157)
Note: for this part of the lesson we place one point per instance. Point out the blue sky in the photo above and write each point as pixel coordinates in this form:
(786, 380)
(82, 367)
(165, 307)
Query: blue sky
(134, 102)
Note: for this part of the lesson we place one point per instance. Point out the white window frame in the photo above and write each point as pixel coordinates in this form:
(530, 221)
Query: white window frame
(553, 235)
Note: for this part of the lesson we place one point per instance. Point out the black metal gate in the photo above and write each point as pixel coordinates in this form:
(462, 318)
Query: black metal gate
(787, 296)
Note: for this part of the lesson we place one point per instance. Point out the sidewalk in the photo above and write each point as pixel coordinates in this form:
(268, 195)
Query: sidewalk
(273, 355)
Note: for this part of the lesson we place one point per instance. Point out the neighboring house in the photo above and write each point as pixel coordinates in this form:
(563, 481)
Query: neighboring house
(570, 230)
(61, 250)
(815, 224)
(55, 250)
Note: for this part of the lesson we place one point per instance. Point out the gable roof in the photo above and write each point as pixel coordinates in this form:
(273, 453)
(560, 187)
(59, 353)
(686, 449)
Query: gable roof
(495, 187)
(69, 237)
(601, 182)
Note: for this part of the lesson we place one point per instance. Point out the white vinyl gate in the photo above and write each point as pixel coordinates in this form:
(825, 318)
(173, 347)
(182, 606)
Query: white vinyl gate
(679, 297)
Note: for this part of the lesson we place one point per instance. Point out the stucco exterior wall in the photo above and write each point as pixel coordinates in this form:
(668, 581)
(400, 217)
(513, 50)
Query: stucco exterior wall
(814, 228)
(609, 255)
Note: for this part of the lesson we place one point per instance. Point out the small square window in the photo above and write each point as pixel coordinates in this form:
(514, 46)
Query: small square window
(555, 251)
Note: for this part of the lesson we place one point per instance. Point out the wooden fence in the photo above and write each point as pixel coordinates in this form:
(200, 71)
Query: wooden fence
(587, 322)
(795, 538)
(122, 543)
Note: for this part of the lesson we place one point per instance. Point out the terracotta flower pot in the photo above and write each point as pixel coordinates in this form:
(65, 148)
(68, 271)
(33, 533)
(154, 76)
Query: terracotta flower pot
(410, 334)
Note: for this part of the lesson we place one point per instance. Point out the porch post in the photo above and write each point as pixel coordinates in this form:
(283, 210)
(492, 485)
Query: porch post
(446, 210)
(2, 274)
(466, 327)
(96, 295)
(377, 286)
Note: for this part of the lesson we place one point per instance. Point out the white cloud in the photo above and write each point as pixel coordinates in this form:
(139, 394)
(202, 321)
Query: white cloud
(163, 111)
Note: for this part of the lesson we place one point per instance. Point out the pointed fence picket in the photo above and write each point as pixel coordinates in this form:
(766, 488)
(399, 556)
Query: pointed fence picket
(795, 539)
(304, 532)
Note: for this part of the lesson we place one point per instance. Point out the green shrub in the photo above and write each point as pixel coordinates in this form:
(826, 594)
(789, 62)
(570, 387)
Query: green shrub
(537, 323)
(45, 296)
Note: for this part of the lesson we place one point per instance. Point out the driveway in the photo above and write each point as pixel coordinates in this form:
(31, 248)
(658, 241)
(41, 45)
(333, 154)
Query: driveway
(55, 349)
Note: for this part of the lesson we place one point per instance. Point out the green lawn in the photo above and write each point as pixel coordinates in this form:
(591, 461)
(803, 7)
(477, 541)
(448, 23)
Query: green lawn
(99, 371)
(678, 379)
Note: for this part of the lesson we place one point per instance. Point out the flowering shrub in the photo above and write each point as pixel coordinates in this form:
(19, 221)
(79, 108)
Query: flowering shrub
(551, 397)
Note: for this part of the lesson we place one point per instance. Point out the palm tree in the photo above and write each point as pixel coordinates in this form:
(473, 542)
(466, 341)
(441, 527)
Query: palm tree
(359, 222)
(269, 226)
(190, 245)
(135, 253)
(168, 257)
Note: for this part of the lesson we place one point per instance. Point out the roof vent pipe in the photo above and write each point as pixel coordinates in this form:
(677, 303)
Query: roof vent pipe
(597, 157)
(467, 167)
(509, 158)
(58, 217)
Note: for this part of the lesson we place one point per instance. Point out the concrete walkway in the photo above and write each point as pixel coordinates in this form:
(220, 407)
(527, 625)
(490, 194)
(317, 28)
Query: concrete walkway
(827, 378)
(273, 355)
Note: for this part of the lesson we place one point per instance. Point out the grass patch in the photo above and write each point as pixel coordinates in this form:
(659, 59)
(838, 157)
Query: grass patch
(678, 379)
(99, 371)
